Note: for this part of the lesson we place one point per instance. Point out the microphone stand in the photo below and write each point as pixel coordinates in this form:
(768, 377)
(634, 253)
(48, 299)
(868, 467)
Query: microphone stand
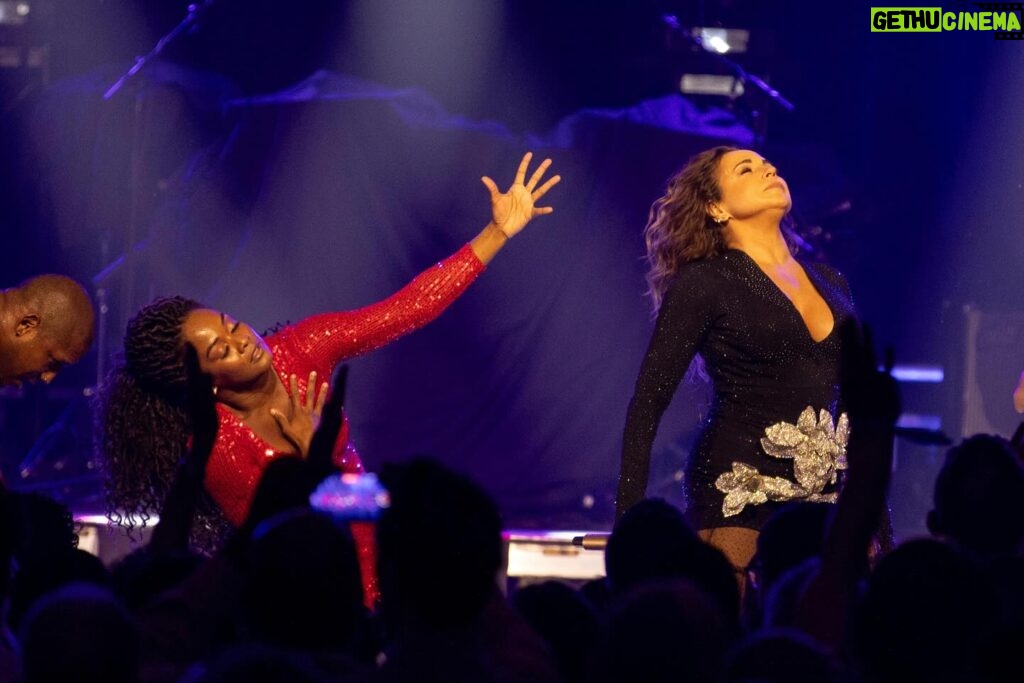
(742, 75)
(196, 12)
(99, 283)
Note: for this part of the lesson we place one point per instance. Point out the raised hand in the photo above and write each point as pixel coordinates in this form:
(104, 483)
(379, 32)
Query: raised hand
(512, 210)
(872, 399)
(870, 395)
(304, 413)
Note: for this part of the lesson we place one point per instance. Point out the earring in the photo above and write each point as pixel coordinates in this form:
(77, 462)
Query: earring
(215, 391)
(721, 220)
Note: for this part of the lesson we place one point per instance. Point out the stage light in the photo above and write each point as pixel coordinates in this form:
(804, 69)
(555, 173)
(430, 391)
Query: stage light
(722, 40)
(14, 12)
(720, 76)
(717, 44)
(928, 374)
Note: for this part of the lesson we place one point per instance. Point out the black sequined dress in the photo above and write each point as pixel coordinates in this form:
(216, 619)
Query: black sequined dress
(772, 434)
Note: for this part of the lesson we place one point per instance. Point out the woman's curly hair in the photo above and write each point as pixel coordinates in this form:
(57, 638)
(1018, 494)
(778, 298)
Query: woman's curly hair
(679, 228)
(143, 421)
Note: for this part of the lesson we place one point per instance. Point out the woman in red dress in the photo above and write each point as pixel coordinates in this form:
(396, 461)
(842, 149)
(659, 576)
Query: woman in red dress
(266, 391)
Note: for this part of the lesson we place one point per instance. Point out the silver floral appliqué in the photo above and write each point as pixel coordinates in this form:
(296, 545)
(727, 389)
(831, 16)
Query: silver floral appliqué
(817, 447)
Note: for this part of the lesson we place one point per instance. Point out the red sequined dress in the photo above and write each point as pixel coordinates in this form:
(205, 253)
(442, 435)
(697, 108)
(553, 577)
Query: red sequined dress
(319, 343)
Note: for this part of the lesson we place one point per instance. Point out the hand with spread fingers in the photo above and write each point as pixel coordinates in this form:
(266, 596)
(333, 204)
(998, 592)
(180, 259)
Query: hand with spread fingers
(513, 209)
(303, 417)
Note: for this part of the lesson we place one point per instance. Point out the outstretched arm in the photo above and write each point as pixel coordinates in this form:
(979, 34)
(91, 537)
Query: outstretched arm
(333, 337)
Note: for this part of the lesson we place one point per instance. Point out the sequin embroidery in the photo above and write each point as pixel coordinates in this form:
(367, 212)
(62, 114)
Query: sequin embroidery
(319, 343)
(764, 368)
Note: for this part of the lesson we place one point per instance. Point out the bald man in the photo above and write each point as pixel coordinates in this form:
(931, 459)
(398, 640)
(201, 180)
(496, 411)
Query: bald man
(46, 323)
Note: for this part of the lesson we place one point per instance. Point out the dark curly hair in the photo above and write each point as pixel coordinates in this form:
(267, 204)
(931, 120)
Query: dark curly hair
(144, 425)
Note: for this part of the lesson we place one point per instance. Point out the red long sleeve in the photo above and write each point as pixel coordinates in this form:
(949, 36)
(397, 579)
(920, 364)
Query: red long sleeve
(319, 343)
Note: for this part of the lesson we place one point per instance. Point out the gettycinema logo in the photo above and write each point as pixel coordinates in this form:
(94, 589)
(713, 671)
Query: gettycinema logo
(1002, 19)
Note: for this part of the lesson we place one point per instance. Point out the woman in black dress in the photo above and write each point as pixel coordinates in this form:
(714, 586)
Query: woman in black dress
(729, 291)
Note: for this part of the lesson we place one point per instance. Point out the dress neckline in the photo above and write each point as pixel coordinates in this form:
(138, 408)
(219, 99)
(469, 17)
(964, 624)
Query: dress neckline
(263, 444)
(811, 277)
